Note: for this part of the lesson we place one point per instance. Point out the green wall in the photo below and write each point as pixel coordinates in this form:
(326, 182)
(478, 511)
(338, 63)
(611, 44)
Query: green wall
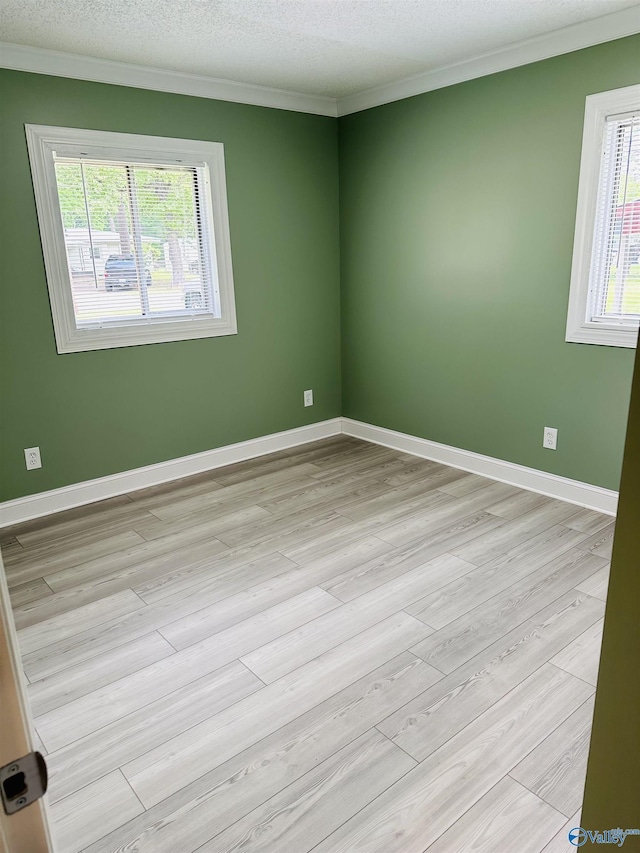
(457, 219)
(612, 791)
(99, 412)
(445, 255)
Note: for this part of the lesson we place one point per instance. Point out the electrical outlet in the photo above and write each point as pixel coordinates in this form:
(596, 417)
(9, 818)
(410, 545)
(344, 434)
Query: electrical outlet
(308, 398)
(550, 438)
(32, 458)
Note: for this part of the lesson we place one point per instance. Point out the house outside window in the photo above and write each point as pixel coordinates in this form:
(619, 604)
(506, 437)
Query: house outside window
(135, 237)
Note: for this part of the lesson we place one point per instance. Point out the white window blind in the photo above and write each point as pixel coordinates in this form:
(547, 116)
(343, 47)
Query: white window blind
(135, 237)
(137, 240)
(614, 286)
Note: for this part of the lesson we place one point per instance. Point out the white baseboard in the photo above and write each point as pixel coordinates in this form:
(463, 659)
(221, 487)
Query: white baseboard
(572, 491)
(67, 497)
(78, 494)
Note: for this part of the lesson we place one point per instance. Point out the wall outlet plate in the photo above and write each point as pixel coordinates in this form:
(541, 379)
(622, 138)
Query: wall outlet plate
(308, 398)
(32, 458)
(550, 438)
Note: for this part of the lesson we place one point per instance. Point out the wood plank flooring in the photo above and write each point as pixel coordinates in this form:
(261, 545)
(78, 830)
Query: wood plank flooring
(336, 648)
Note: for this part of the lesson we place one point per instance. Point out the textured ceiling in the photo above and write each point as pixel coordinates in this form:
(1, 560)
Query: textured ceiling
(323, 47)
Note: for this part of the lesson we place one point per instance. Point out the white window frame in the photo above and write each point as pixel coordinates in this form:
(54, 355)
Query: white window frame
(579, 329)
(42, 142)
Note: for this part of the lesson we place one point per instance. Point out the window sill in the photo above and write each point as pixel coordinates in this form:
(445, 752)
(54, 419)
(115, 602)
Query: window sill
(606, 337)
(82, 340)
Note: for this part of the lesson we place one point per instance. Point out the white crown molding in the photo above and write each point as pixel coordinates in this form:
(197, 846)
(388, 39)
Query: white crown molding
(37, 60)
(561, 488)
(578, 36)
(89, 491)
(40, 61)
(45, 503)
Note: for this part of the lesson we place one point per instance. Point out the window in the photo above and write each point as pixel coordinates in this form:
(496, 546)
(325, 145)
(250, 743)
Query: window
(135, 237)
(604, 302)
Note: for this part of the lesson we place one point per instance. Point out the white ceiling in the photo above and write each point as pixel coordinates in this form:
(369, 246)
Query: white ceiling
(318, 47)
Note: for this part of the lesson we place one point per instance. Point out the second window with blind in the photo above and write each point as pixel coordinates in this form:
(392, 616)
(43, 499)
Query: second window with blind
(135, 237)
(604, 301)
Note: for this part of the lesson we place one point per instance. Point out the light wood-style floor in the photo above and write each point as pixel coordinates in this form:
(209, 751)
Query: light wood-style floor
(337, 648)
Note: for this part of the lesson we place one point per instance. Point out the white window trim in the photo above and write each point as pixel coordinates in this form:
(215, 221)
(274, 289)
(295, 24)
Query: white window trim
(42, 141)
(579, 330)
